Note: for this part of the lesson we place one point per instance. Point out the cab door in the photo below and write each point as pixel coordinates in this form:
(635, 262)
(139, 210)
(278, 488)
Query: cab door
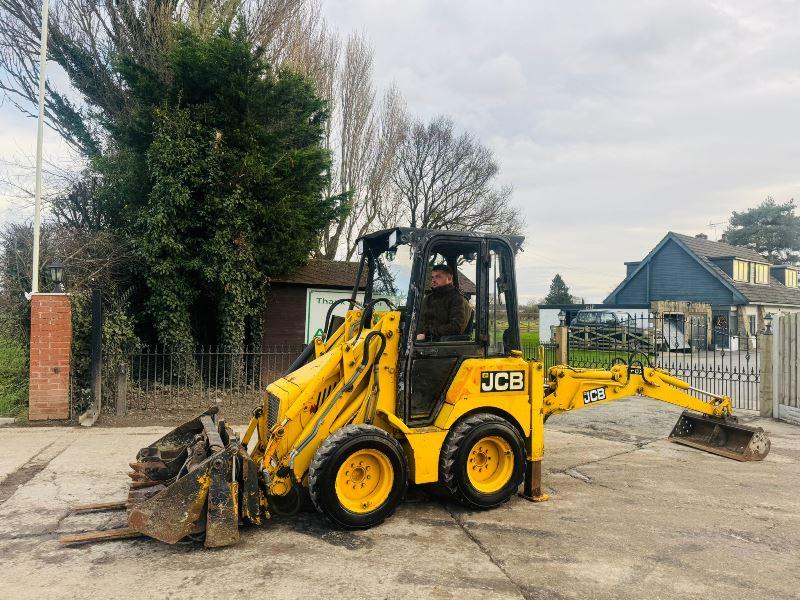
(434, 363)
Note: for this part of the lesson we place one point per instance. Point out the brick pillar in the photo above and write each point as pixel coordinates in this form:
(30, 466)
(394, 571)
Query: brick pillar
(51, 338)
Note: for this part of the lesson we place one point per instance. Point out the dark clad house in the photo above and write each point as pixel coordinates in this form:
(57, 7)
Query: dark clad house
(690, 276)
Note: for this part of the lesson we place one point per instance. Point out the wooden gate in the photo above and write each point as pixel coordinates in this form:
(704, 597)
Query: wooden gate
(786, 371)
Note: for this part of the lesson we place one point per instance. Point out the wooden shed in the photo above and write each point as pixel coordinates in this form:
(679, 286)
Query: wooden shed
(292, 300)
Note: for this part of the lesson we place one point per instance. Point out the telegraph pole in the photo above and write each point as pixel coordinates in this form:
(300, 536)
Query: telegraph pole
(37, 212)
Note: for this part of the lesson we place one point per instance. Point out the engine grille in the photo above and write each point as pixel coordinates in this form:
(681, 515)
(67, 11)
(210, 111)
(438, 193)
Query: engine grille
(273, 410)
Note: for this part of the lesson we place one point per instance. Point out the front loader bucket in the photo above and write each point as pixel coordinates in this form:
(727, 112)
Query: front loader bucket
(720, 436)
(195, 482)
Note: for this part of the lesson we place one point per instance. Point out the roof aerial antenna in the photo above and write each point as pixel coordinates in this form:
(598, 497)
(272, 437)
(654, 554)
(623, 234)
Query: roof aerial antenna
(714, 229)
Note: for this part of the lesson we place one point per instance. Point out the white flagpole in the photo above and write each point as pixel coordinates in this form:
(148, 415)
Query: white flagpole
(37, 214)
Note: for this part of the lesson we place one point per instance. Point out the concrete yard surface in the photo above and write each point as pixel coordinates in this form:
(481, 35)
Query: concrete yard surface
(631, 515)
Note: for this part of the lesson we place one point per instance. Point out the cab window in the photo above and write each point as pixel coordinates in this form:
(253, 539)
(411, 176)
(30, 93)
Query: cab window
(448, 307)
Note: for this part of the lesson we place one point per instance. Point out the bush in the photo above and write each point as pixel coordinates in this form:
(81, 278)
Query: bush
(13, 377)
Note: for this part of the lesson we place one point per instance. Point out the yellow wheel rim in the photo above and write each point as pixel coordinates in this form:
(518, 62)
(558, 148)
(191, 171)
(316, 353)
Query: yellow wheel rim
(490, 464)
(364, 481)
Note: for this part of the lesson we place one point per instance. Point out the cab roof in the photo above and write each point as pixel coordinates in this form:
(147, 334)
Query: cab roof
(379, 240)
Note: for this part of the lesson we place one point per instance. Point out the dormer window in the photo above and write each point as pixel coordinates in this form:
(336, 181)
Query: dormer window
(791, 278)
(741, 270)
(761, 273)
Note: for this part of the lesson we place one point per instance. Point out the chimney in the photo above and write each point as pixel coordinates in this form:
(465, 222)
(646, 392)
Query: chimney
(701, 236)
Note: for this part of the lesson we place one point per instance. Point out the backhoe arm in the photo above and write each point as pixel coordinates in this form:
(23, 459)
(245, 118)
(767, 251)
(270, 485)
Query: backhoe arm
(571, 389)
(714, 430)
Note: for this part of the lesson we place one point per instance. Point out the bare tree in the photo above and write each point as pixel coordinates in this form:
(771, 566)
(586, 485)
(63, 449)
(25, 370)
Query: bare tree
(378, 192)
(305, 43)
(447, 181)
(365, 141)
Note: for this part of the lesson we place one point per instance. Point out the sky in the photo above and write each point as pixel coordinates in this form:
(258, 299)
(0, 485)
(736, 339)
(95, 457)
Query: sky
(614, 121)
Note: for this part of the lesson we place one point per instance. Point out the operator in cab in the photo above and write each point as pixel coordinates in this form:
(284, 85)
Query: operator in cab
(445, 311)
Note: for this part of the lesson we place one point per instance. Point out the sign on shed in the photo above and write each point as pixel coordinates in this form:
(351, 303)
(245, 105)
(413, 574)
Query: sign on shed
(317, 303)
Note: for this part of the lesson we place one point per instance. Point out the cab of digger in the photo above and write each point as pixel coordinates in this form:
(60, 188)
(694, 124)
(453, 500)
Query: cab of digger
(401, 269)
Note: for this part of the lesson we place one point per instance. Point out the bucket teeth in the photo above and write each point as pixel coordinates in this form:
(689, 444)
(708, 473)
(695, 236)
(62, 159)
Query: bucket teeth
(153, 470)
(138, 485)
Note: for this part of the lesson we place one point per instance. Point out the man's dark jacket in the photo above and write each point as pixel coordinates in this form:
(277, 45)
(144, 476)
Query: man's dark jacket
(444, 312)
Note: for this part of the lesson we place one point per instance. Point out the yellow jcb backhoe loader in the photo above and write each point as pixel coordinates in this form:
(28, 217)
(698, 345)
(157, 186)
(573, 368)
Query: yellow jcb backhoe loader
(375, 404)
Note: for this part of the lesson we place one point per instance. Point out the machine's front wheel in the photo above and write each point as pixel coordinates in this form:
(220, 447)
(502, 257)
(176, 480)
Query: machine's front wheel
(358, 476)
(483, 461)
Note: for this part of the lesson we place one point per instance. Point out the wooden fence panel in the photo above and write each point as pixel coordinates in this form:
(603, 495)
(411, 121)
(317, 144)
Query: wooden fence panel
(786, 377)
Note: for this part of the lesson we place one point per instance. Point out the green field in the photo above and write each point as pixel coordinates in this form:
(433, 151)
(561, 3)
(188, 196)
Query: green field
(530, 338)
(528, 331)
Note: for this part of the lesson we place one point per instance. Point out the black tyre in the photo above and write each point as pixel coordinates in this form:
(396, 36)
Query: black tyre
(358, 476)
(483, 461)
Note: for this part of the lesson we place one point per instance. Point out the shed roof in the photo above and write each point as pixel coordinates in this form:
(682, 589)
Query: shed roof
(328, 273)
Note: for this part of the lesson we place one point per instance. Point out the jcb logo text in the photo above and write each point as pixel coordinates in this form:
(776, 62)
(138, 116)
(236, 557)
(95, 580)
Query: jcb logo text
(502, 381)
(594, 395)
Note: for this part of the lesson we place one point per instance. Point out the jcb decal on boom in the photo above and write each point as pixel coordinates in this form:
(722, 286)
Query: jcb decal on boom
(594, 395)
(502, 381)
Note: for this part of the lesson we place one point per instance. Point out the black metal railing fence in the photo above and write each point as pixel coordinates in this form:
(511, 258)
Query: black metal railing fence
(719, 357)
(531, 352)
(713, 359)
(174, 378)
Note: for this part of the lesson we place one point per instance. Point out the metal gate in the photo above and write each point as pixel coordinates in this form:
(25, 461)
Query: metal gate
(707, 357)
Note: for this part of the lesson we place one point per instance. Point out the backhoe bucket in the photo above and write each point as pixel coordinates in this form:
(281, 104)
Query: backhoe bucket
(195, 482)
(719, 436)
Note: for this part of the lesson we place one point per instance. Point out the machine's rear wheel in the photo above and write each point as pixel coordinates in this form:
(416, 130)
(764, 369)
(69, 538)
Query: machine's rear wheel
(358, 476)
(483, 461)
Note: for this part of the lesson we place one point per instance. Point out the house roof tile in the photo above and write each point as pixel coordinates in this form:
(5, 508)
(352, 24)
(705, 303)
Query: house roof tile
(709, 249)
(774, 293)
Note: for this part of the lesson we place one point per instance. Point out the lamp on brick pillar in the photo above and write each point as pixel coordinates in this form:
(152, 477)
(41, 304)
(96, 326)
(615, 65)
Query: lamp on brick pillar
(768, 324)
(56, 270)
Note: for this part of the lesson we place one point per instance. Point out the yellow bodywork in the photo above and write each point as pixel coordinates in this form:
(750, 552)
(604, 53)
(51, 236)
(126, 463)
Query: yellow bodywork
(341, 387)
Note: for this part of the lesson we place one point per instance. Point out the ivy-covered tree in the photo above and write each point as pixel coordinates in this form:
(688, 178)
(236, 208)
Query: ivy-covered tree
(217, 174)
(559, 292)
(770, 228)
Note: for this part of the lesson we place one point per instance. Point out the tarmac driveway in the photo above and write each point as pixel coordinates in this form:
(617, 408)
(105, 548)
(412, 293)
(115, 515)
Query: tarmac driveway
(631, 516)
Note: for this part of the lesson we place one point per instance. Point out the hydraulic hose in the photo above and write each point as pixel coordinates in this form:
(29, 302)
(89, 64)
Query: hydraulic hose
(331, 308)
(368, 311)
(301, 360)
(346, 387)
(372, 398)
